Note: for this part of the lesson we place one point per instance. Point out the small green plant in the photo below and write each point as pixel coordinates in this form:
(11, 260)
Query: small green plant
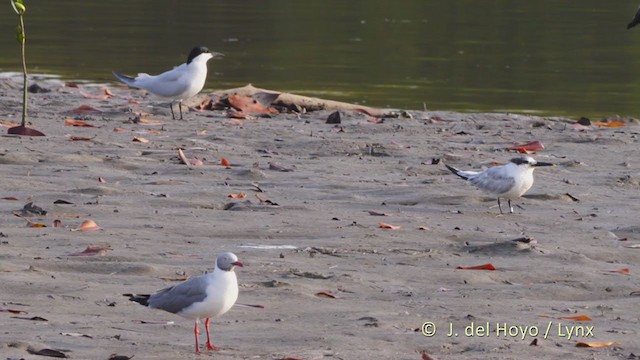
(20, 9)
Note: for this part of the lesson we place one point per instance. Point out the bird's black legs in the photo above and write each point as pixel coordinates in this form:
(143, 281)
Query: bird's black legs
(500, 207)
(171, 107)
(180, 107)
(510, 207)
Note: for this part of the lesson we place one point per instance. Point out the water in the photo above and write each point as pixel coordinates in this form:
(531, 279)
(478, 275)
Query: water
(554, 57)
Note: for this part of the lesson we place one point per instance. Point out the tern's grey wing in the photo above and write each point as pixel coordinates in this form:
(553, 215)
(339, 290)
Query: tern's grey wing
(493, 181)
(176, 298)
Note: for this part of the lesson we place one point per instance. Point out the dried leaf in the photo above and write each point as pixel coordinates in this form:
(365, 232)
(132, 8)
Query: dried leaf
(388, 226)
(12, 311)
(611, 124)
(426, 356)
(62, 202)
(225, 162)
(576, 318)
(10, 198)
(101, 180)
(278, 167)
(240, 195)
(528, 147)
(140, 140)
(424, 228)
(249, 105)
(376, 120)
(76, 335)
(477, 267)
(47, 352)
(85, 109)
(24, 131)
(597, 344)
(326, 294)
(58, 223)
(87, 225)
(235, 114)
(624, 271)
(8, 123)
(119, 130)
(93, 250)
(36, 225)
(107, 92)
(183, 157)
(375, 213)
(79, 123)
(80, 138)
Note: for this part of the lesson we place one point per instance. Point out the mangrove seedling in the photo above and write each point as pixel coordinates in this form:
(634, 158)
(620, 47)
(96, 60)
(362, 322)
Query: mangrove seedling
(20, 9)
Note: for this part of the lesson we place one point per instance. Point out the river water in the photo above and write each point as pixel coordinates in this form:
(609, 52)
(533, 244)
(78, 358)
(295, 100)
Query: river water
(551, 57)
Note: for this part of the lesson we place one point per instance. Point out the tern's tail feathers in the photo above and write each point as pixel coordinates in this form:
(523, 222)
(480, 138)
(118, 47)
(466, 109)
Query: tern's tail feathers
(457, 172)
(125, 79)
(140, 299)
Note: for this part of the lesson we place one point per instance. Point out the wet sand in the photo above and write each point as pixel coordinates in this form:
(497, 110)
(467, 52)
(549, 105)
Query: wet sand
(315, 195)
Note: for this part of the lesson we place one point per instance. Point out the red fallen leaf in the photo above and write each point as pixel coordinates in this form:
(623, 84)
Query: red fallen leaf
(597, 344)
(9, 198)
(37, 225)
(576, 318)
(240, 195)
(235, 114)
(93, 250)
(205, 105)
(85, 109)
(363, 111)
(528, 147)
(107, 92)
(426, 356)
(477, 267)
(326, 294)
(388, 226)
(13, 311)
(225, 162)
(24, 131)
(625, 271)
(376, 120)
(71, 85)
(249, 105)
(80, 123)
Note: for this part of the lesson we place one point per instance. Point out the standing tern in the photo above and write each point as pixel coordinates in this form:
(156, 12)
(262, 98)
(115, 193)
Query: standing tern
(205, 296)
(179, 83)
(509, 181)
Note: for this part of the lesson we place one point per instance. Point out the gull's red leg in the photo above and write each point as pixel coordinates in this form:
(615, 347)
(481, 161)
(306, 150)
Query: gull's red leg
(196, 331)
(210, 345)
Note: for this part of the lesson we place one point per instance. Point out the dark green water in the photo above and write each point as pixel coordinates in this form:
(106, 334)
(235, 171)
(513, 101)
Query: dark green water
(546, 56)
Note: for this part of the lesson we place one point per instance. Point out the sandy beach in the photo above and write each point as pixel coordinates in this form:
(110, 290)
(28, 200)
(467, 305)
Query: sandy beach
(308, 226)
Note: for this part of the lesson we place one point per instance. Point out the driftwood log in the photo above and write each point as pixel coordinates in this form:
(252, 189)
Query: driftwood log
(303, 102)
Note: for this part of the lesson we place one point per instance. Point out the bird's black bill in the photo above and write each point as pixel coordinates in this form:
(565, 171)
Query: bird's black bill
(540, 163)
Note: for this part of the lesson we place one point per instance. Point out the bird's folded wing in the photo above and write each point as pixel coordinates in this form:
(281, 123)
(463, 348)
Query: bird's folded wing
(492, 181)
(176, 298)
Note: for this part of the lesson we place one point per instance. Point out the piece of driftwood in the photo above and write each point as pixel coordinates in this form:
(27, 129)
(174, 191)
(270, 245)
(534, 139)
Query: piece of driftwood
(303, 102)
